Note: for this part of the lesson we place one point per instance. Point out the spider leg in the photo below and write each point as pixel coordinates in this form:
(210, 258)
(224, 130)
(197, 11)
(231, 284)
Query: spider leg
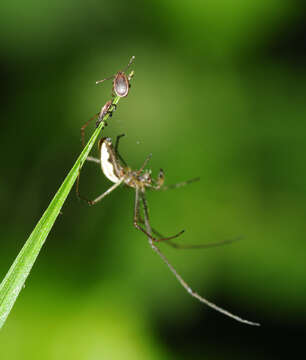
(93, 159)
(136, 220)
(175, 186)
(147, 159)
(117, 142)
(99, 198)
(85, 126)
(183, 246)
(116, 149)
(108, 191)
(181, 280)
(202, 246)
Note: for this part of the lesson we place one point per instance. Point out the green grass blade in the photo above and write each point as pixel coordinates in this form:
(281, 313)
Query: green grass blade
(20, 269)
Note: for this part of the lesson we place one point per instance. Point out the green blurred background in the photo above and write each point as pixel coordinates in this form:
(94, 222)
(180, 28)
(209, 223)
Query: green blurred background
(219, 92)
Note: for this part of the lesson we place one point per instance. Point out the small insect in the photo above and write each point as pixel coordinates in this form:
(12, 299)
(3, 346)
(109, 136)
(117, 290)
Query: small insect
(108, 108)
(121, 82)
(116, 170)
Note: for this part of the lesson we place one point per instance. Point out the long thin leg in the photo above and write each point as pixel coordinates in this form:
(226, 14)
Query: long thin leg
(93, 159)
(108, 78)
(116, 149)
(184, 246)
(175, 186)
(111, 77)
(180, 279)
(137, 226)
(117, 142)
(85, 126)
(99, 198)
(130, 76)
(201, 246)
(147, 159)
(130, 62)
(108, 191)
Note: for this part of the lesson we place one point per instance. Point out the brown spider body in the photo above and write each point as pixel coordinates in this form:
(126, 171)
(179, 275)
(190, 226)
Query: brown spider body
(115, 172)
(105, 109)
(108, 108)
(137, 181)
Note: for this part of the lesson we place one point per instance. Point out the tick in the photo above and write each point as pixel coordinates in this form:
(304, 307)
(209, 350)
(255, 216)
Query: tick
(121, 82)
(117, 171)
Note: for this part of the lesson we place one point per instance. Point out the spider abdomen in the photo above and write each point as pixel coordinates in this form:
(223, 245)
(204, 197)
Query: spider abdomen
(107, 159)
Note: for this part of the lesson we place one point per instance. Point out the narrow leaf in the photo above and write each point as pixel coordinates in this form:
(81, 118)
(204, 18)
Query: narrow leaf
(20, 269)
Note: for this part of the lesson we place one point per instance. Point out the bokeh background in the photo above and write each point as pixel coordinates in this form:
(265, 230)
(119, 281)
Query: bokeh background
(219, 92)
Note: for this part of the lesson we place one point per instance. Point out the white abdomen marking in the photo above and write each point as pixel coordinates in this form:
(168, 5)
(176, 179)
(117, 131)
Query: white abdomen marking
(106, 165)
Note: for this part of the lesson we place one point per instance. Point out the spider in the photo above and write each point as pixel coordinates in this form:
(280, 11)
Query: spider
(108, 108)
(116, 170)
